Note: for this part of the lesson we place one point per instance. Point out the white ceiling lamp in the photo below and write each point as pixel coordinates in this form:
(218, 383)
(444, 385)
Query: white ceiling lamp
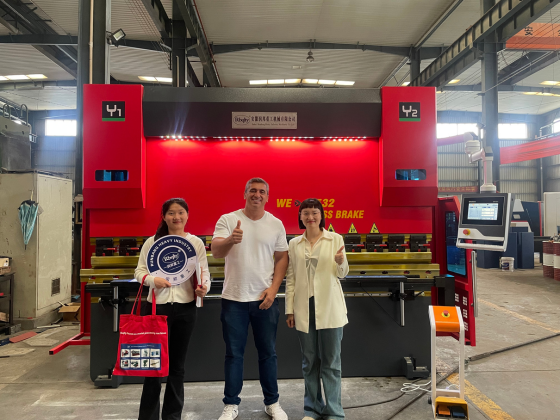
(452, 82)
(164, 79)
(36, 76)
(147, 78)
(257, 82)
(3, 78)
(17, 77)
(292, 81)
(344, 83)
(550, 83)
(276, 82)
(327, 82)
(310, 58)
(310, 81)
(406, 83)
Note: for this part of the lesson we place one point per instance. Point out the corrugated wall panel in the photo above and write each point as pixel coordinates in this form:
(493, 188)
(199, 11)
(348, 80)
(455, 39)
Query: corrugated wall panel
(458, 174)
(552, 160)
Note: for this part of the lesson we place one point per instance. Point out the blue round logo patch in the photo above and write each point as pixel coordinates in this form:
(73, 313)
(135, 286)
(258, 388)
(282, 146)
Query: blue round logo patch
(172, 258)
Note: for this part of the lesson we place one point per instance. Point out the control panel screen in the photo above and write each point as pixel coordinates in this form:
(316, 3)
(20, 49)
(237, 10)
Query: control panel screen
(483, 211)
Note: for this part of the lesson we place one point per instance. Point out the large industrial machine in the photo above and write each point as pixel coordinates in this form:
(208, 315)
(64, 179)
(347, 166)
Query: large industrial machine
(369, 155)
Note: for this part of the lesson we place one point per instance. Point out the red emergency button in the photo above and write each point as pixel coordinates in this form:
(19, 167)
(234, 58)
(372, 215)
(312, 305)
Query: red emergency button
(445, 314)
(466, 232)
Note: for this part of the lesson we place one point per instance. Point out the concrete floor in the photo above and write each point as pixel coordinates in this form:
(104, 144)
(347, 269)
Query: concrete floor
(522, 384)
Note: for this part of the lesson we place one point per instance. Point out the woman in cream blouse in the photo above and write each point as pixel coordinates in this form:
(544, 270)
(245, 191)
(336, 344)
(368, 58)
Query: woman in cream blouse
(315, 306)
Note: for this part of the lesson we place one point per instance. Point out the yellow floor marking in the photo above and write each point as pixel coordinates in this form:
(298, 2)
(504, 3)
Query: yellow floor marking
(485, 404)
(519, 316)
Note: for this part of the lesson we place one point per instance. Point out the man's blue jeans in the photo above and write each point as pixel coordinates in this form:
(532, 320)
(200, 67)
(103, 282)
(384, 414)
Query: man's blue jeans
(236, 317)
(321, 360)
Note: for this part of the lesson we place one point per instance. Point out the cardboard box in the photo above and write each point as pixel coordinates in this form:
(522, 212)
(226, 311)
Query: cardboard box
(4, 317)
(5, 261)
(70, 312)
(5, 270)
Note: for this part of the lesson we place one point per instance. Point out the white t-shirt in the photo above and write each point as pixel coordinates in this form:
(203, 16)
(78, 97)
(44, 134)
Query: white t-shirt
(249, 265)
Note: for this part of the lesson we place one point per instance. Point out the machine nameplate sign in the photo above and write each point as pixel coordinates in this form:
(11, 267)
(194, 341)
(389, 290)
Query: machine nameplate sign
(173, 258)
(264, 120)
(409, 111)
(112, 111)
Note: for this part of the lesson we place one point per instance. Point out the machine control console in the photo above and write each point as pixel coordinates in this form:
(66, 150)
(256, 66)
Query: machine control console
(484, 221)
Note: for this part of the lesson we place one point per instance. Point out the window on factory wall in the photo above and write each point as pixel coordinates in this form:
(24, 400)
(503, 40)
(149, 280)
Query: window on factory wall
(512, 131)
(450, 130)
(556, 126)
(505, 131)
(60, 128)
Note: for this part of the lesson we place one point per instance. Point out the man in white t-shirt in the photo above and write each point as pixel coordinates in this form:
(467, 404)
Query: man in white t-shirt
(253, 242)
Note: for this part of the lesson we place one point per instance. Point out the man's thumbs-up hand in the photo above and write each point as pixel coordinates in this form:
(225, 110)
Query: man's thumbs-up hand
(237, 235)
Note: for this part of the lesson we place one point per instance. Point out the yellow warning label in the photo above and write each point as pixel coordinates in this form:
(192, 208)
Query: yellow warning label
(374, 229)
(352, 229)
(330, 229)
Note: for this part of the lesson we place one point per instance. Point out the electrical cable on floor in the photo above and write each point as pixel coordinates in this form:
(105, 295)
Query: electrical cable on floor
(403, 393)
(516, 346)
(472, 359)
(412, 387)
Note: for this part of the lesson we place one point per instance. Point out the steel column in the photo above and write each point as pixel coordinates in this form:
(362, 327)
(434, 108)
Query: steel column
(101, 24)
(83, 78)
(489, 86)
(490, 106)
(415, 64)
(178, 48)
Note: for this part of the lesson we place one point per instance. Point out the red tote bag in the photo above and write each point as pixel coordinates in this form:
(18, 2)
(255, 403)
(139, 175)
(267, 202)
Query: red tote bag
(143, 347)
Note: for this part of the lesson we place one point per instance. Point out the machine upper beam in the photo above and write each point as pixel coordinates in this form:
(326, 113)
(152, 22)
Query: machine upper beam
(503, 21)
(19, 18)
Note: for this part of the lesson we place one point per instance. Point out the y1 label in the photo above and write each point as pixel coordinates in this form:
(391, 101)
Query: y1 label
(112, 111)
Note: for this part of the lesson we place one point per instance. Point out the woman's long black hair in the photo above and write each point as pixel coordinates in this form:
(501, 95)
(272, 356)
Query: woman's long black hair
(163, 229)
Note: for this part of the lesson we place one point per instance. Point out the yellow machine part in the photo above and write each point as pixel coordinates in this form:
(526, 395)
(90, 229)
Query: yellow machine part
(450, 402)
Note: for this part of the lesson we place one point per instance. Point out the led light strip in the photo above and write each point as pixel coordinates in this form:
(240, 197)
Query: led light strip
(227, 138)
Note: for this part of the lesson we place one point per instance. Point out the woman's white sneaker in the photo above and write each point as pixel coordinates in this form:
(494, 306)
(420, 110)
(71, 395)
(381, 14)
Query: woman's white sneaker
(231, 411)
(275, 411)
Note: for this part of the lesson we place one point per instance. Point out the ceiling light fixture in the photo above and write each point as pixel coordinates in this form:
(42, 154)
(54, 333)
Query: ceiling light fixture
(257, 82)
(406, 83)
(17, 77)
(530, 93)
(310, 58)
(344, 83)
(276, 82)
(452, 82)
(550, 83)
(115, 37)
(164, 79)
(310, 81)
(292, 81)
(327, 82)
(36, 76)
(3, 78)
(147, 78)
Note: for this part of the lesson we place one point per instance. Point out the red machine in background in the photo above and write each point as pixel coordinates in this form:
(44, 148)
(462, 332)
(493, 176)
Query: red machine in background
(369, 155)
